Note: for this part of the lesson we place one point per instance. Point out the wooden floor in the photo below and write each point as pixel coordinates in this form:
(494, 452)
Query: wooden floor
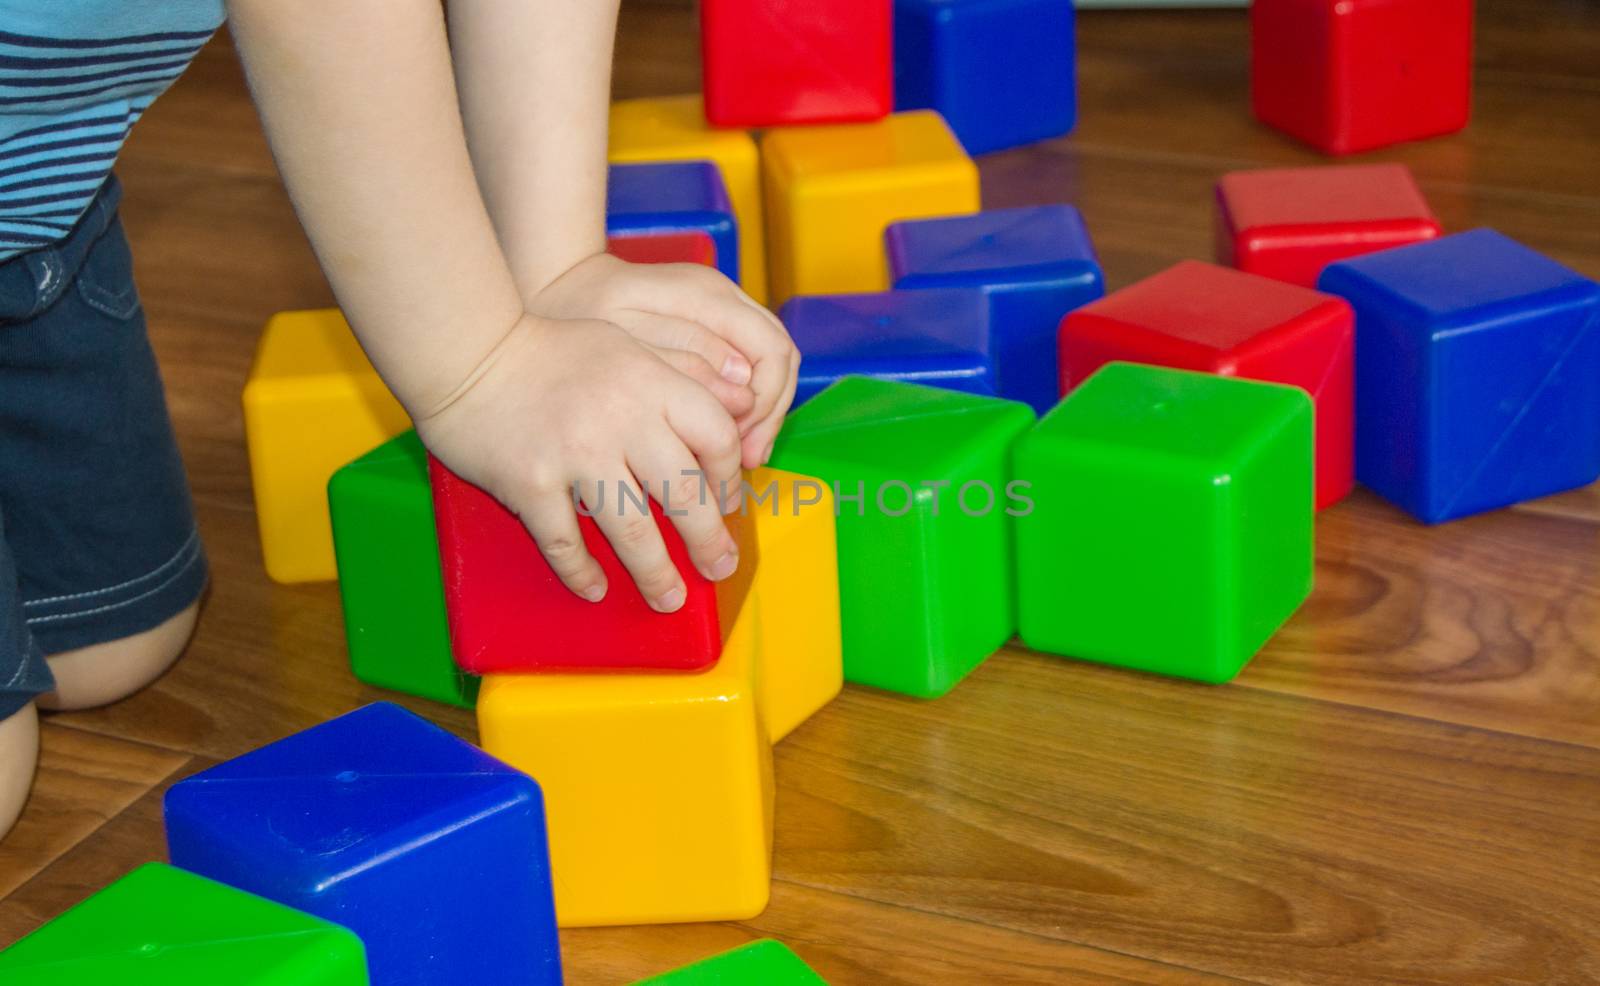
(1404, 788)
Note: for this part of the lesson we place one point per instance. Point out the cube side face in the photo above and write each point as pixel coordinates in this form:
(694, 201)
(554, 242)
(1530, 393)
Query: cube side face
(1291, 68)
(1404, 71)
(659, 787)
(774, 62)
(509, 612)
(695, 247)
(1273, 494)
(389, 576)
(718, 227)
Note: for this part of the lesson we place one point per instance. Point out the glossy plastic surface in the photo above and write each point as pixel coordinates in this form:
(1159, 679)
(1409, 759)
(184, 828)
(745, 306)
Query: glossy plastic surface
(1184, 500)
(774, 62)
(1035, 263)
(832, 191)
(160, 926)
(1290, 223)
(939, 338)
(765, 962)
(312, 403)
(1477, 374)
(1003, 72)
(1197, 316)
(664, 248)
(426, 847)
(925, 585)
(509, 612)
(389, 581)
(797, 584)
(674, 197)
(1353, 75)
(674, 128)
(659, 786)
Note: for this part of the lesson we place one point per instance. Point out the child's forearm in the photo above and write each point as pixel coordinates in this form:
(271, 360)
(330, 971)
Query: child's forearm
(535, 81)
(358, 100)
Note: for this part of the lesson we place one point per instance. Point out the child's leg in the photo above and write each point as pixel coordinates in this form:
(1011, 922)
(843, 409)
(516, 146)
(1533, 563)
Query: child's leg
(102, 673)
(19, 751)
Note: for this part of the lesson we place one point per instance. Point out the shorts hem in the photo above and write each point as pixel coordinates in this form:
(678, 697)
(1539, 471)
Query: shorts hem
(84, 619)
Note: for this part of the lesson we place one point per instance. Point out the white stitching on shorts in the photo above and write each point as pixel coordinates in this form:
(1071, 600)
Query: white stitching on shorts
(176, 557)
(175, 576)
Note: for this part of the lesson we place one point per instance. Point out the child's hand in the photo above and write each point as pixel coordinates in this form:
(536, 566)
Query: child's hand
(694, 309)
(559, 403)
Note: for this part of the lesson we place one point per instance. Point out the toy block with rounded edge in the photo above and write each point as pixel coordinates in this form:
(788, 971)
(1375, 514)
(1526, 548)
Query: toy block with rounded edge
(510, 612)
(1290, 223)
(161, 926)
(1477, 374)
(1002, 72)
(659, 785)
(664, 248)
(312, 403)
(389, 581)
(1185, 503)
(674, 128)
(1198, 316)
(801, 665)
(921, 478)
(832, 191)
(1354, 75)
(429, 849)
(674, 197)
(771, 63)
(1034, 263)
(765, 961)
(939, 338)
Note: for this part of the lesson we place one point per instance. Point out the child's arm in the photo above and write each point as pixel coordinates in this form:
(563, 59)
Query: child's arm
(535, 81)
(360, 106)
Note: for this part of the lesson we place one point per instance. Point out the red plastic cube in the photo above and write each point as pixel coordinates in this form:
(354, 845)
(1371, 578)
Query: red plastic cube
(1290, 223)
(774, 62)
(664, 248)
(509, 612)
(1353, 75)
(1198, 316)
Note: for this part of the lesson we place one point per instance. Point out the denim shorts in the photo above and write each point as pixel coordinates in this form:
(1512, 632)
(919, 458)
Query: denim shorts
(97, 530)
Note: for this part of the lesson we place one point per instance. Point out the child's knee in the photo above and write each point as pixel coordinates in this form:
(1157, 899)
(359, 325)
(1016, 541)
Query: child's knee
(19, 752)
(104, 673)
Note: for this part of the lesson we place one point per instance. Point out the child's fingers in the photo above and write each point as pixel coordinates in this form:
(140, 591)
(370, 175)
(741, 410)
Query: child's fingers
(711, 436)
(624, 517)
(549, 516)
(736, 400)
(691, 502)
(669, 332)
(759, 436)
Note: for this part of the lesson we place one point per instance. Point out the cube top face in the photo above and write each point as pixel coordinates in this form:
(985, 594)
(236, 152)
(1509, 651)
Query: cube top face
(895, 429)
(664, 248)
(326, 804)
(1338, 195)
(935, 337)
(1214, 308)
(306, 344)
(162, 926)
(767, 962)
(402, 459)
(637, 192)
(1173, 416)
(878, 152)
(641, 127)
(774, 62)
(1463, 279)
(510, 612)
(1048, 242)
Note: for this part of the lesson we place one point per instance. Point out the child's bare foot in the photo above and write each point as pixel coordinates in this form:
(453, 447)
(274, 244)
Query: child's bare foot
(19, 755)
(103, 673)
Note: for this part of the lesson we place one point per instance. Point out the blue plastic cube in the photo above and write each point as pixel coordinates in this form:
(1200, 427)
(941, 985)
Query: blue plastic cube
(1002, 72)
(1036, 264)
(429, 849)
(937, 338)
(1477, 373)
(674, 197)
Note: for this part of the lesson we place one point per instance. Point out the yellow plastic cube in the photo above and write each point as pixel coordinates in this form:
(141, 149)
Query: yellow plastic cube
(311, 404)
(674, 128)
(657, 787)
(797, 586)
(832, 190)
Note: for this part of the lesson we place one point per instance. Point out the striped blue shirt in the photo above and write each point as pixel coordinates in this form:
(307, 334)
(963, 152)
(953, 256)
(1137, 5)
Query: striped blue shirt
(75, 76)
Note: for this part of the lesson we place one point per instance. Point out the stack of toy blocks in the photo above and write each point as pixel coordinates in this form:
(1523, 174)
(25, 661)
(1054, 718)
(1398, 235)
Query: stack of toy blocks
(1353, 75)
(372, 819)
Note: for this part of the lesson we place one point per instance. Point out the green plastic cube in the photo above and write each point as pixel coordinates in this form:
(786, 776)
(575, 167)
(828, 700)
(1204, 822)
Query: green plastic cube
(1172, 522)
(161, 926)
(767, 962)
(389, 579)
(925, 570)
